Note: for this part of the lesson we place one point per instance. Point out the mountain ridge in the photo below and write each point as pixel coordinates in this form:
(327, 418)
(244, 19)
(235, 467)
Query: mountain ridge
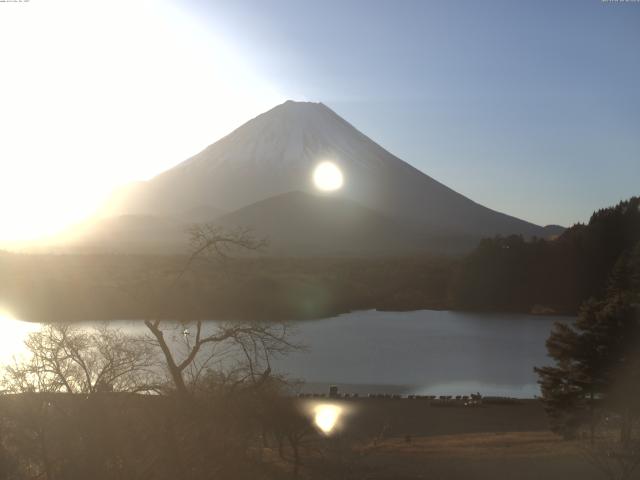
(275, 153)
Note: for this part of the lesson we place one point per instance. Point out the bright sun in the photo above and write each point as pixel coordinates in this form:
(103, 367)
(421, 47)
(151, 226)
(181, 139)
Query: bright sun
(327, 176)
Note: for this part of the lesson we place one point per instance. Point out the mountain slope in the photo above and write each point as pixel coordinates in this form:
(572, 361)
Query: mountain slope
(129, 234)
(298, 223)
(276, 152)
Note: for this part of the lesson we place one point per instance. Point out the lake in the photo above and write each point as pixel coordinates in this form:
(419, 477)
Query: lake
(423, 352)
(419, 352)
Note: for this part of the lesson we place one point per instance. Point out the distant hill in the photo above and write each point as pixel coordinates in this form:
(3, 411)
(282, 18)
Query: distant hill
(132, 233)
(298, 223)
(199, 214)
(552, 231)
(293, 224)
(129, 234)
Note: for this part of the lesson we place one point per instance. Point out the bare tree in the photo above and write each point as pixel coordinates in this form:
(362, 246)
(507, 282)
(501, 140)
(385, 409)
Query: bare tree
(247, 346)
(61, 424)
(72, 359)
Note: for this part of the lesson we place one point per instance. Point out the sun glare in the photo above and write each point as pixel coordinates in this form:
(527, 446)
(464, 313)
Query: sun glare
(327, 177)
(103, 93)
(13, 333)
(326, 417)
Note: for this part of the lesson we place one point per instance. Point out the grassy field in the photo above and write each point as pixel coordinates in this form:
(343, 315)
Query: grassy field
(408, 439)
(499, 455)
(248, 437)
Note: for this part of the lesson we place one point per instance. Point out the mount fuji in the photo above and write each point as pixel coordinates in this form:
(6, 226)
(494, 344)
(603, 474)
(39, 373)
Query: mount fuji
(275, 153)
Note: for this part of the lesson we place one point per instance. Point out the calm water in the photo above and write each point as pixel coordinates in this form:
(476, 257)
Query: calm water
(425, 352)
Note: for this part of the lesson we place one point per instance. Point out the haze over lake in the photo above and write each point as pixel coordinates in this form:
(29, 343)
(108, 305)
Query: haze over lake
(421, 352)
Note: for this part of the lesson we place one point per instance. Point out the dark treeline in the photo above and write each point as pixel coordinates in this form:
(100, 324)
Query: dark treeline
(62, 288)
(592, 389)
(545, 276)
(501, 274)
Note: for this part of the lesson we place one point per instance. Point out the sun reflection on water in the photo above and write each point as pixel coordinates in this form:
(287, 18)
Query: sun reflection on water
(13, 333)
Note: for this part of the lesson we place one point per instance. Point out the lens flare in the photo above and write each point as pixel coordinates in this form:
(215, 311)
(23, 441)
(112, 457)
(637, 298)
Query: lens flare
(327, 176)
(326, 417)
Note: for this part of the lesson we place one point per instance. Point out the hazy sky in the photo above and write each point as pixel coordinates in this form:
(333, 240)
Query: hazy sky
(531, 108)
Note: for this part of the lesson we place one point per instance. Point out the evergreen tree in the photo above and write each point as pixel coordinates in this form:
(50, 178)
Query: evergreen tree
(514, 274)
(598, 358)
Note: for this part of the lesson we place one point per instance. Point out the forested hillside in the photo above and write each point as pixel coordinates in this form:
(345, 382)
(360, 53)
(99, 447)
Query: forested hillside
(545, 276)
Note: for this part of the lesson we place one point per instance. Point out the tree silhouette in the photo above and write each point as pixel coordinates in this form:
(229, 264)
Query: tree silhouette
(597, 369)
(511, 274)
(255, 342)
(71, 359)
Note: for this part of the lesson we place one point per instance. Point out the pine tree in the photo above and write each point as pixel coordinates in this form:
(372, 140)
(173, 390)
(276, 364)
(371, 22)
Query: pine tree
(597, 359)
